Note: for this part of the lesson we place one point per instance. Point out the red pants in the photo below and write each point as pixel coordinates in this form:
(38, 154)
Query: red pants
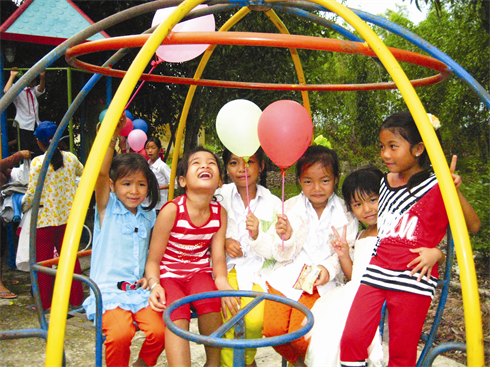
(280, 319)
(406, 316)
(119, 330)
(47, 239)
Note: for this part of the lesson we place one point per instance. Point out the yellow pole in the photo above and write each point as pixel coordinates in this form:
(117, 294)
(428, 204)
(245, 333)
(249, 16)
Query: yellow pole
(57, 325)
(471, 301)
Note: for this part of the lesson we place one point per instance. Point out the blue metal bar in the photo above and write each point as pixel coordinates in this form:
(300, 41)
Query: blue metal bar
(214, 341)
(98, 307)
(3, 116)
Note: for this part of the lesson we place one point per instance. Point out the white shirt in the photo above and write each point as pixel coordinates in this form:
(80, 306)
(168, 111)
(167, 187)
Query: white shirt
(27, 108)
(162, 173)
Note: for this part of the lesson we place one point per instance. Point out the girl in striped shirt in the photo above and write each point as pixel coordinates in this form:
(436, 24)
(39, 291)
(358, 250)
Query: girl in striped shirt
(411, 216)
(189, 232)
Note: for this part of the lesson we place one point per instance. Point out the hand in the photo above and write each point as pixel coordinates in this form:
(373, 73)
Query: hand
(26, 154)
(14, 72)
(456, 178)
(340, 245)
(233, 248)
(227, 303)
(120, 124)
(283, 227)
(425, 261)
(43, 74)
(143, 282)
(323, 278)
(252, 223)
(157, 299)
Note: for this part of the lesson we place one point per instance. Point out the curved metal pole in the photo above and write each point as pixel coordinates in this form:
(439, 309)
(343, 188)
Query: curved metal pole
(471, 302)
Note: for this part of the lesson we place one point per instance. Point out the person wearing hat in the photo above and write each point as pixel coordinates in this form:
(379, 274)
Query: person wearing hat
(54, 208)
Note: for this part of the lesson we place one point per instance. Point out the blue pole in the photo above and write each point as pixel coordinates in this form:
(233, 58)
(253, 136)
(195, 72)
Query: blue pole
(3, 117)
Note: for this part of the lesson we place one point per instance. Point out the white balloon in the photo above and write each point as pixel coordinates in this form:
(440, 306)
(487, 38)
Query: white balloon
(236, 125)
(181, 53)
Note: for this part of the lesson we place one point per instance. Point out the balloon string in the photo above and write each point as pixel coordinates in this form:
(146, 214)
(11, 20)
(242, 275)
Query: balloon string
(154, 65)
(283, 173)
(248, 195)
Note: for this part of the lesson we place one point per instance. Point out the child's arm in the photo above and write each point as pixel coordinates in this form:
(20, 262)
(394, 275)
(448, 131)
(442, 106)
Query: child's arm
(220, 271)
(103, 184)
(473, 223)
(42, 83)
(158, 245)
(342, 249)
(426, 260)
(13, 73)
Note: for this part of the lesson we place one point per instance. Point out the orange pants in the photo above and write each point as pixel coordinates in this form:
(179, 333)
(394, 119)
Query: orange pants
(280, 319)
(118, 327)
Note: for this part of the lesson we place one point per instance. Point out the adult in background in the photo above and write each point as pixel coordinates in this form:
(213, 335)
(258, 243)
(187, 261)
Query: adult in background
(27, 110)
(54, 209)
(6, 166)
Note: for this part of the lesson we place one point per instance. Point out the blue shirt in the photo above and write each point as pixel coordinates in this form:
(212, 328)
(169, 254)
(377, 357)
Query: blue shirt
(119, 253)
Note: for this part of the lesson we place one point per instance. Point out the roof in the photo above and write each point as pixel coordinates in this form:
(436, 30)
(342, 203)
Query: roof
(48, 22)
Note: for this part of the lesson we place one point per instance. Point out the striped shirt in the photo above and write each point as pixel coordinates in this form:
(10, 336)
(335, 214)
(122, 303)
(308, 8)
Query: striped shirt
(406, 220)
(188, 248)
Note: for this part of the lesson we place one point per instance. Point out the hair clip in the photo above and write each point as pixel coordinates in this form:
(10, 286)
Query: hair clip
(436, 124)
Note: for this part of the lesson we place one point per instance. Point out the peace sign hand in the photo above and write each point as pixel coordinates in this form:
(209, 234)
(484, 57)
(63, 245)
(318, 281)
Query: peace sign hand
(456, 178)
(340, 245)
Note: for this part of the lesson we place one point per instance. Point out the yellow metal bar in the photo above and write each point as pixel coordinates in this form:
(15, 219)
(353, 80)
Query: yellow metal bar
(295, 56)
(190, 95)
(57, 325)
(471, 301)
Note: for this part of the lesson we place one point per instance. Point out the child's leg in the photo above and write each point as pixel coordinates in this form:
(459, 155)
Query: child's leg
(45, 239)
(254, 323)
(407, 312)
(208, 323)
(118, 327)
(151, 323)
(177, 349)
(76, 294)
(361, 325)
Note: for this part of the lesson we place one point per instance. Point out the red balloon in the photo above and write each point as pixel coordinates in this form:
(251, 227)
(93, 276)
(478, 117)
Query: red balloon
(127, 128)
(143, 153)
(285, 131)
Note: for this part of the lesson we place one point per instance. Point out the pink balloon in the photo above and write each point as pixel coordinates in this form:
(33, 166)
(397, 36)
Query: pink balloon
(285, 131)
(137, 139)
(127, 128)
(143, 153)
(181, 53)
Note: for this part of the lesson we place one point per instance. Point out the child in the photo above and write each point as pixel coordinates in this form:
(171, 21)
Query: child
(160, 169)
(411, 216)
(54, 208)
(27, 110)
(178, 265)
(121, 236)
(306, 229)
(248, 245)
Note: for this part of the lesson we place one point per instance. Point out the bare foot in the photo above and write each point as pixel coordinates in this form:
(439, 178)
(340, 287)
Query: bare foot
(140, 363)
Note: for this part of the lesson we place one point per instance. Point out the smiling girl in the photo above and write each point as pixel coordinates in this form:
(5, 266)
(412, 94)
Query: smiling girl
(189, 232)
(306, 228)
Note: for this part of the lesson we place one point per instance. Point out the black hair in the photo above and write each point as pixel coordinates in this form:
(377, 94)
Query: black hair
(156, 140)
(361, 184)
(183, 165)
(403, 124)
(261, 160)
(318, 154)
(57, 159)
(130, 163)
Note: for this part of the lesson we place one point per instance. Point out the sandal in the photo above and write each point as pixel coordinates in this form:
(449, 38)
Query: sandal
(8, 295)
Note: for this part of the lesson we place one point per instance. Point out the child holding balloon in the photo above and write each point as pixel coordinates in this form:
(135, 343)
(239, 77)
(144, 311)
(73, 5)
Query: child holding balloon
(189, 232)
(304, 235)
(252, 211)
